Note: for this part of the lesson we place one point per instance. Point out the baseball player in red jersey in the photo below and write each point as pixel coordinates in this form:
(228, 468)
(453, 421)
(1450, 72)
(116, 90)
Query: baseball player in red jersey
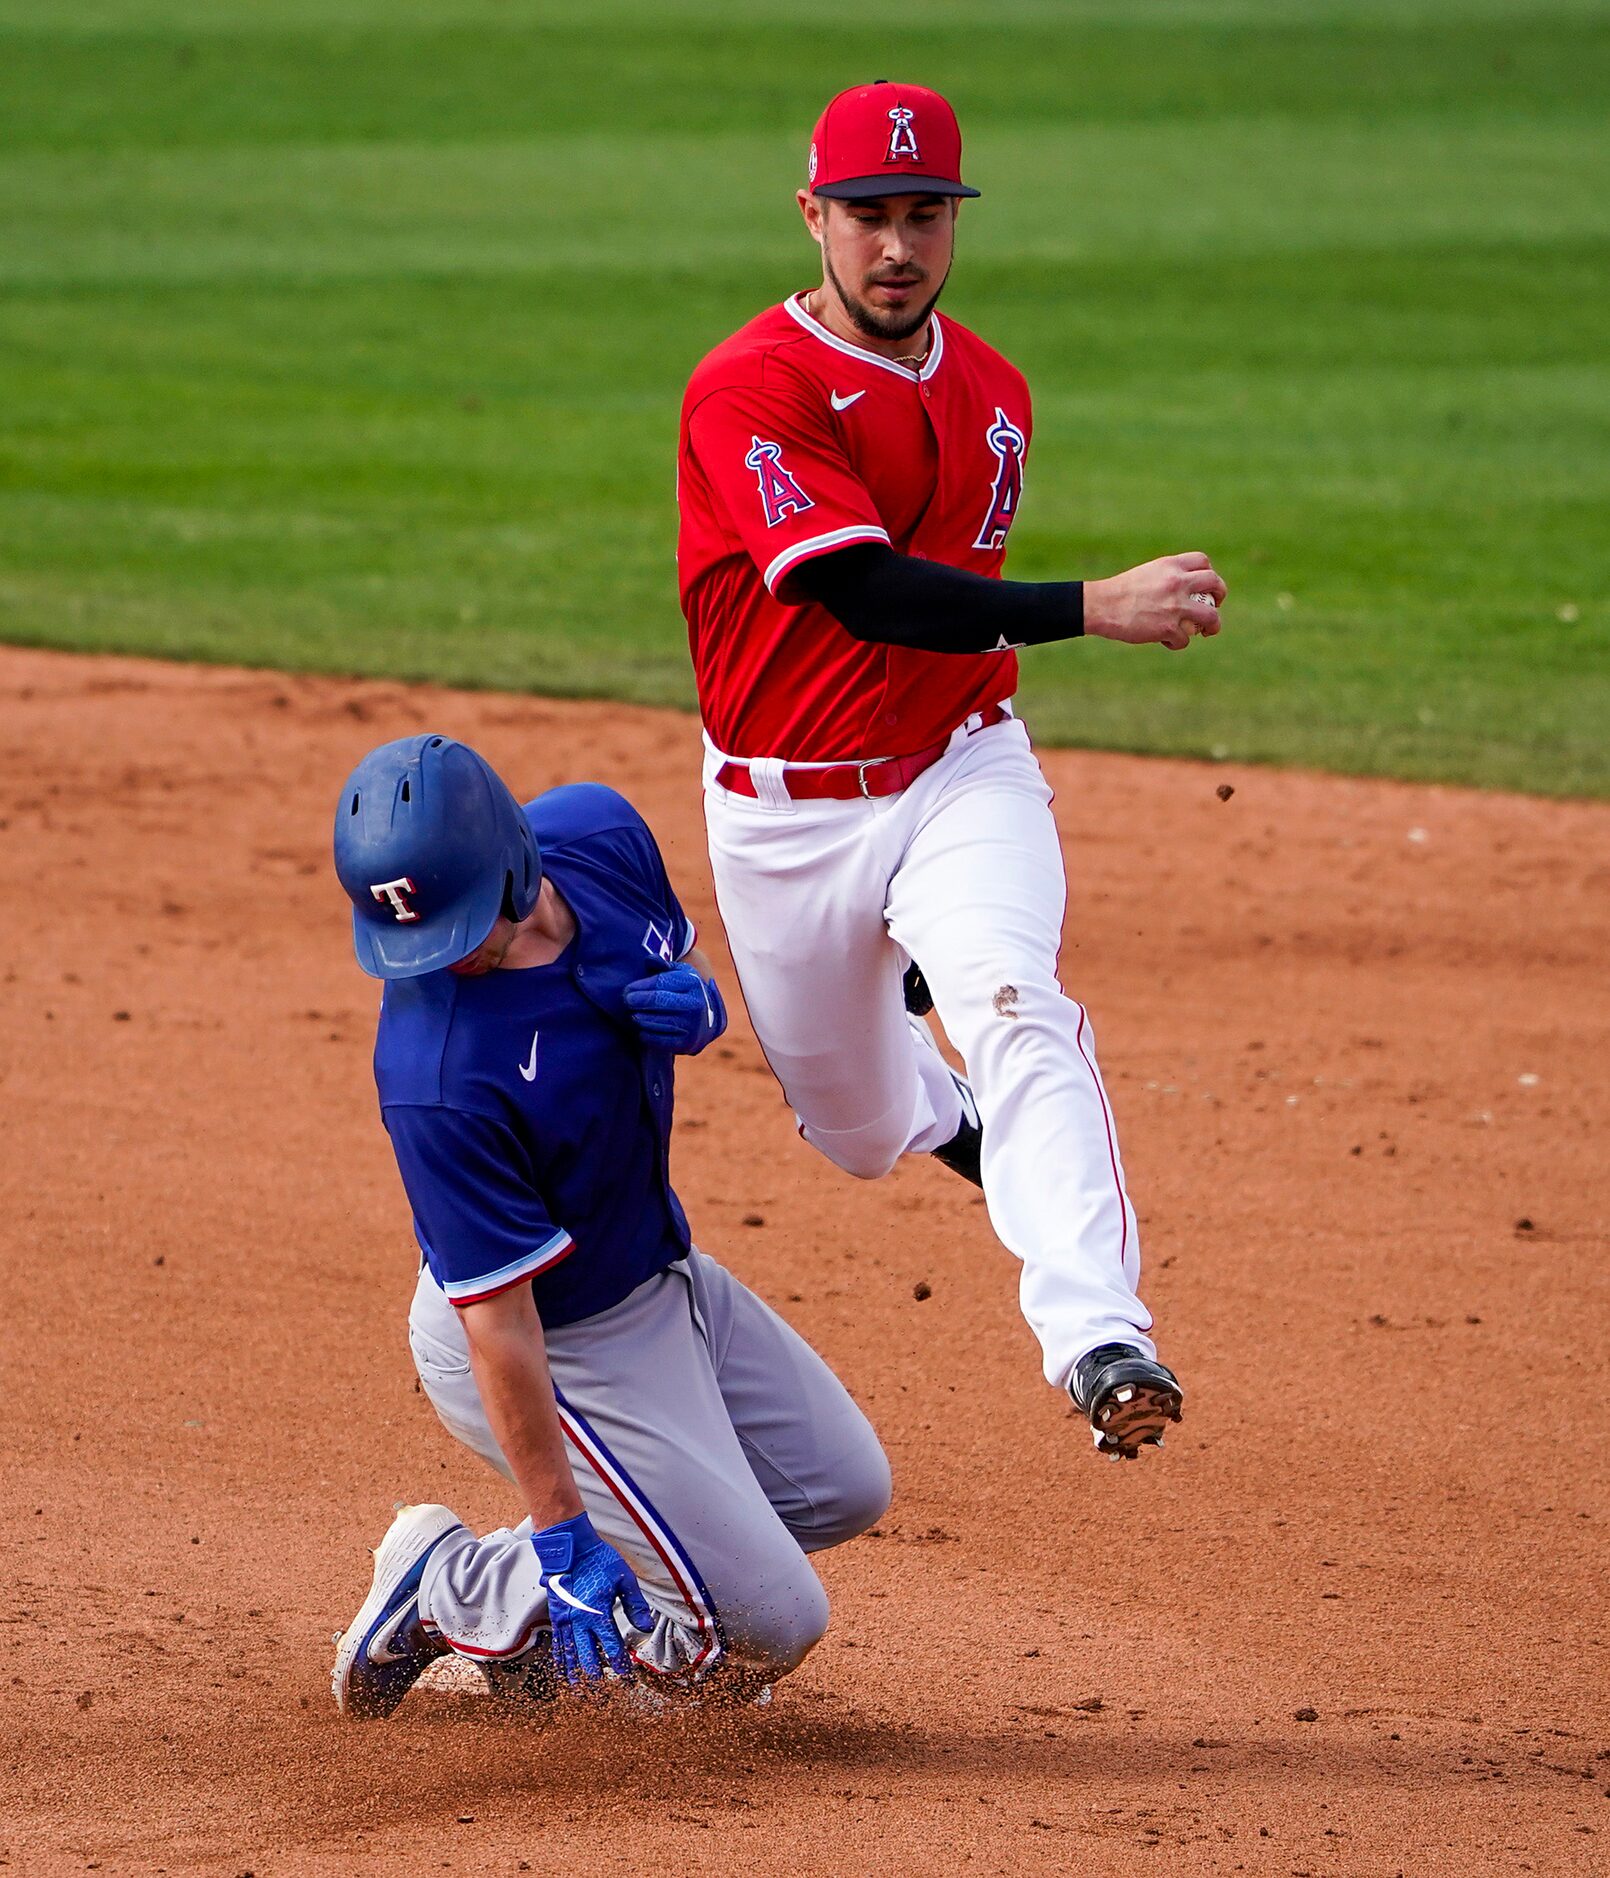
(850, 467)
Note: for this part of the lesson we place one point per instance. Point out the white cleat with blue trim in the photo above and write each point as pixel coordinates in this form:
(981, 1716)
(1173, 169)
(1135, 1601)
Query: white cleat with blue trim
(385, 1649)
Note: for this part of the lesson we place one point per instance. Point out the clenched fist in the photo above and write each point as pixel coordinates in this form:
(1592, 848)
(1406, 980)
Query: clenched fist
(1162, 602)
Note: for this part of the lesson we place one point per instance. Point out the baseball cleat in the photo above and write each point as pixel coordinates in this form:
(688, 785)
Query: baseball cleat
(382, 1652)
(1129, 1398)
(963, 1153)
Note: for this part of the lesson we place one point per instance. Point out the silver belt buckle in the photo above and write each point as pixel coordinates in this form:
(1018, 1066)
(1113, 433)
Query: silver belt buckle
(860, 776)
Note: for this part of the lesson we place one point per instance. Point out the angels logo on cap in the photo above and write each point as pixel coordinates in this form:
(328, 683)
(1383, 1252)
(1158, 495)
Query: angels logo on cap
(887, 139)
(902, 139)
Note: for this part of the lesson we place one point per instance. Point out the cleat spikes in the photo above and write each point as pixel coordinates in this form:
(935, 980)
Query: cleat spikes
(1130, 1399)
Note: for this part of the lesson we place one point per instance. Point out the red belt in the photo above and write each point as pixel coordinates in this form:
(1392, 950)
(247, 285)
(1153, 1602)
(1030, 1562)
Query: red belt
(843, 782)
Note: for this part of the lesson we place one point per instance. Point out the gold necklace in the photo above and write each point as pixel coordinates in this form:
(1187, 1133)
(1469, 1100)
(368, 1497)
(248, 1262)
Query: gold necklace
(914, 360)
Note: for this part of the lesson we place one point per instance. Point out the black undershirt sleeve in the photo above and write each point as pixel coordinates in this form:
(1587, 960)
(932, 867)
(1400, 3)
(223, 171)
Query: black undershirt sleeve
(891, 599)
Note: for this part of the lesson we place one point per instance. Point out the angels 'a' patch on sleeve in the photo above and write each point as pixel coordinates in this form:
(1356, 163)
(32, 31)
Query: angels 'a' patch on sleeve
(780, 495)
(780, 475)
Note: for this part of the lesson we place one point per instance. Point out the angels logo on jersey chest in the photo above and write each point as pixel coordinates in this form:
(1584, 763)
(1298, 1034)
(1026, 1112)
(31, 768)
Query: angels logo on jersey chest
(1007, 444)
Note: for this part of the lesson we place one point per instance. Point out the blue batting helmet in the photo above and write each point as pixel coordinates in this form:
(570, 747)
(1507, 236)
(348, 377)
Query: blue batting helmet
(431, 847)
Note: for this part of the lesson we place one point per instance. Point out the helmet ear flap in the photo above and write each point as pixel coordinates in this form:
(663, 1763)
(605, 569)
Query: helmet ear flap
(523, 881)
(521, 885)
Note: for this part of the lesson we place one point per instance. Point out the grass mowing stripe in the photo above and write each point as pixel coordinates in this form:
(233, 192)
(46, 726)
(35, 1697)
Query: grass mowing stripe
(1073, 326)
(563, 203)
(454, 83)
(93, 18)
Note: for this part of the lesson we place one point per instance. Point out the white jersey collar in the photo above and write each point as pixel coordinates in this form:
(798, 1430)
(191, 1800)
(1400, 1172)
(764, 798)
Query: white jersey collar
(817, 330)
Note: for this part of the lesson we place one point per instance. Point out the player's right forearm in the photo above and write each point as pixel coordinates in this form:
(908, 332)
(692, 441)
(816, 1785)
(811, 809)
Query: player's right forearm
(510, 1362)
(885, 598)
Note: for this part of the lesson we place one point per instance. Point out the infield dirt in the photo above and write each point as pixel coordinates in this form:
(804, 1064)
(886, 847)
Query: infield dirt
(1352, 1621)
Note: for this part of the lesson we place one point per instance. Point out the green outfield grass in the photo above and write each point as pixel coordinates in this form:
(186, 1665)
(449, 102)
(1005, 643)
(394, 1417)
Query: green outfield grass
(350, 336)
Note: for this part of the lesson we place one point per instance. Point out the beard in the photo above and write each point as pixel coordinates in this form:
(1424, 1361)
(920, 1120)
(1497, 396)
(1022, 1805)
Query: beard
(875, 323)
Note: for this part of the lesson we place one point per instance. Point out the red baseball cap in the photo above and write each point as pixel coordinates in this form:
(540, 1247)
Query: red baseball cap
(885, 139)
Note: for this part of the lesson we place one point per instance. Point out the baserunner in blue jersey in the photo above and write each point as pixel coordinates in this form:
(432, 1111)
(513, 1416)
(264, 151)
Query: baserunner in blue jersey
(679, 1450)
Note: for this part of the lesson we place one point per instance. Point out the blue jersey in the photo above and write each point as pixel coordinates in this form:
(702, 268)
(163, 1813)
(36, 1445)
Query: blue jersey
(530, 1121)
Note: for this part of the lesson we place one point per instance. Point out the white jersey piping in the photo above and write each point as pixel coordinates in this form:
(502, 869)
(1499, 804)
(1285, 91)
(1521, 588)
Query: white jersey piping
(835, 538)
(817, 330)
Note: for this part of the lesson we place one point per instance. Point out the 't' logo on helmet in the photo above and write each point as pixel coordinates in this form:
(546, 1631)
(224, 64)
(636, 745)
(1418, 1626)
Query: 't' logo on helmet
(780, 495)
(393, 890)
(903, 138)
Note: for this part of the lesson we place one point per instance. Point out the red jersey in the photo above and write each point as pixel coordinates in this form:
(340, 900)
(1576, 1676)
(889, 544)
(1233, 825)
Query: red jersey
(795, 443)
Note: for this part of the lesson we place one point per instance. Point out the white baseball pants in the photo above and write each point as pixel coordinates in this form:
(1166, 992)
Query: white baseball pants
(824, 903)
(711, 1446)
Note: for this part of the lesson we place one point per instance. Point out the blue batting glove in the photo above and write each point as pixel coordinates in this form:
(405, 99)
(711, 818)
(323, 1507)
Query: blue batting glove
(584, 1577)
(677, 1010)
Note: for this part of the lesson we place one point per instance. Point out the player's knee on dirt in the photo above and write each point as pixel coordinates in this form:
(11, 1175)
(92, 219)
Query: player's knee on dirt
(778, 1626)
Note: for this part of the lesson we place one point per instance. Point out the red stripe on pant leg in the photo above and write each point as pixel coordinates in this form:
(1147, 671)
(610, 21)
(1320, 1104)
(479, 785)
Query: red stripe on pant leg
(578, 1440)
(527, 1638)
(1112, 1151)
(700, 1619)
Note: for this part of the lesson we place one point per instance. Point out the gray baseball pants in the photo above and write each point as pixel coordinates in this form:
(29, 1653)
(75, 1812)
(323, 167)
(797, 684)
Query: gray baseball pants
(711, 1446)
